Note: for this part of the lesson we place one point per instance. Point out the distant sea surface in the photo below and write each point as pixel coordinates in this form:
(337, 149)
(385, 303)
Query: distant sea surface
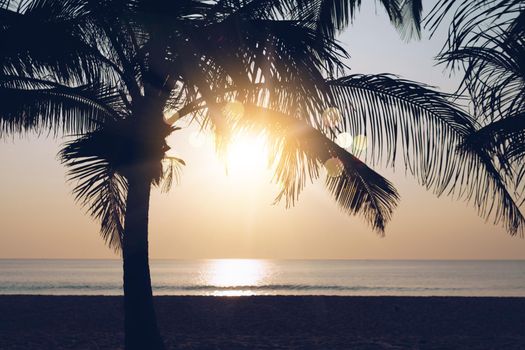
(232, 277)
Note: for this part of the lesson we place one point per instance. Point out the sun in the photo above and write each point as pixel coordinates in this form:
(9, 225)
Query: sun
(247, 155)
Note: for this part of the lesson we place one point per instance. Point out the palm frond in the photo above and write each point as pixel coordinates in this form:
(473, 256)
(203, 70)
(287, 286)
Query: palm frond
(469, 17)
(504, 140)
(332, 16)
(493, 73)
(39, 106)
(243, 51)
(98, 186)
(429, 130)
(505, 133)
(50, 38)
(486, 40)
(486, 186)
(260, 9)
(172, 169)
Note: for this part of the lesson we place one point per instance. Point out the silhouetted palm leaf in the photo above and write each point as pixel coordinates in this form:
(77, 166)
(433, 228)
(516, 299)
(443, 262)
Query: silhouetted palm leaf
(332, 16)
(394, 113)
(50, 38)
(487, 40)
(172, 172)
(42, 106)
(99, 187)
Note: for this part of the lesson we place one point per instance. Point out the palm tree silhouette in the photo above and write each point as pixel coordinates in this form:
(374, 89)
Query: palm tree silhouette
(486, 42)
(118, 74)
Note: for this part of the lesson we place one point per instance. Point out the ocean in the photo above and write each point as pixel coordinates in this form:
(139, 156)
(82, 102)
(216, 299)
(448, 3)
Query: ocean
(238, 277)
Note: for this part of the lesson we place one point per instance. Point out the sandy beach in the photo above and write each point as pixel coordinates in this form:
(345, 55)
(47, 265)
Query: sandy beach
(82, 322)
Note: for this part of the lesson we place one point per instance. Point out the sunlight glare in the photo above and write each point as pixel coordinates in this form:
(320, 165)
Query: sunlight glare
(233, 110)
(197, 139)
(247, 155)
(344, 140)
(234, 277)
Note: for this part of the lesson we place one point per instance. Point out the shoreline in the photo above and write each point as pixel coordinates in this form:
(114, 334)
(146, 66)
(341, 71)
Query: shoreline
(162, 296)
(270, 322)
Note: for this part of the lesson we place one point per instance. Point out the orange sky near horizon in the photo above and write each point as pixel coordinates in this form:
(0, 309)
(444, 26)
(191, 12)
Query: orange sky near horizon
(212, 214)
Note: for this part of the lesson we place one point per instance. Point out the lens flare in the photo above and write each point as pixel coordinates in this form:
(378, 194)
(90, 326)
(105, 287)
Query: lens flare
(334, 167)
(344, 140)
(360, 143)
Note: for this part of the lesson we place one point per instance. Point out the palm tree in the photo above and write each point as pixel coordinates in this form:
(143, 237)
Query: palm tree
(116, 75)
(486, 43)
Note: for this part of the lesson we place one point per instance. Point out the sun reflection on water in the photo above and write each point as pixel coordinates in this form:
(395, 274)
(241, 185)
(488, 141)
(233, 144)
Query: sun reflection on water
(234, 277)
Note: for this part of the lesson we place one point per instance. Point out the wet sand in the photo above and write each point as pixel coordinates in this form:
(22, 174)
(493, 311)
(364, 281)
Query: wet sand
(81, 322)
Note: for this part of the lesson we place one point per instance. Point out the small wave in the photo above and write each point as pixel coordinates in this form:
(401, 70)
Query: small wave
(304, 287)
(275, 288)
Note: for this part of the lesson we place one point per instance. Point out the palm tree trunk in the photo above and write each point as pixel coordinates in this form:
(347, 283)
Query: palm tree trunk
(140, 325)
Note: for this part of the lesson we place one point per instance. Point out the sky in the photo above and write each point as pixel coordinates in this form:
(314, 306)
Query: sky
(217, 214)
